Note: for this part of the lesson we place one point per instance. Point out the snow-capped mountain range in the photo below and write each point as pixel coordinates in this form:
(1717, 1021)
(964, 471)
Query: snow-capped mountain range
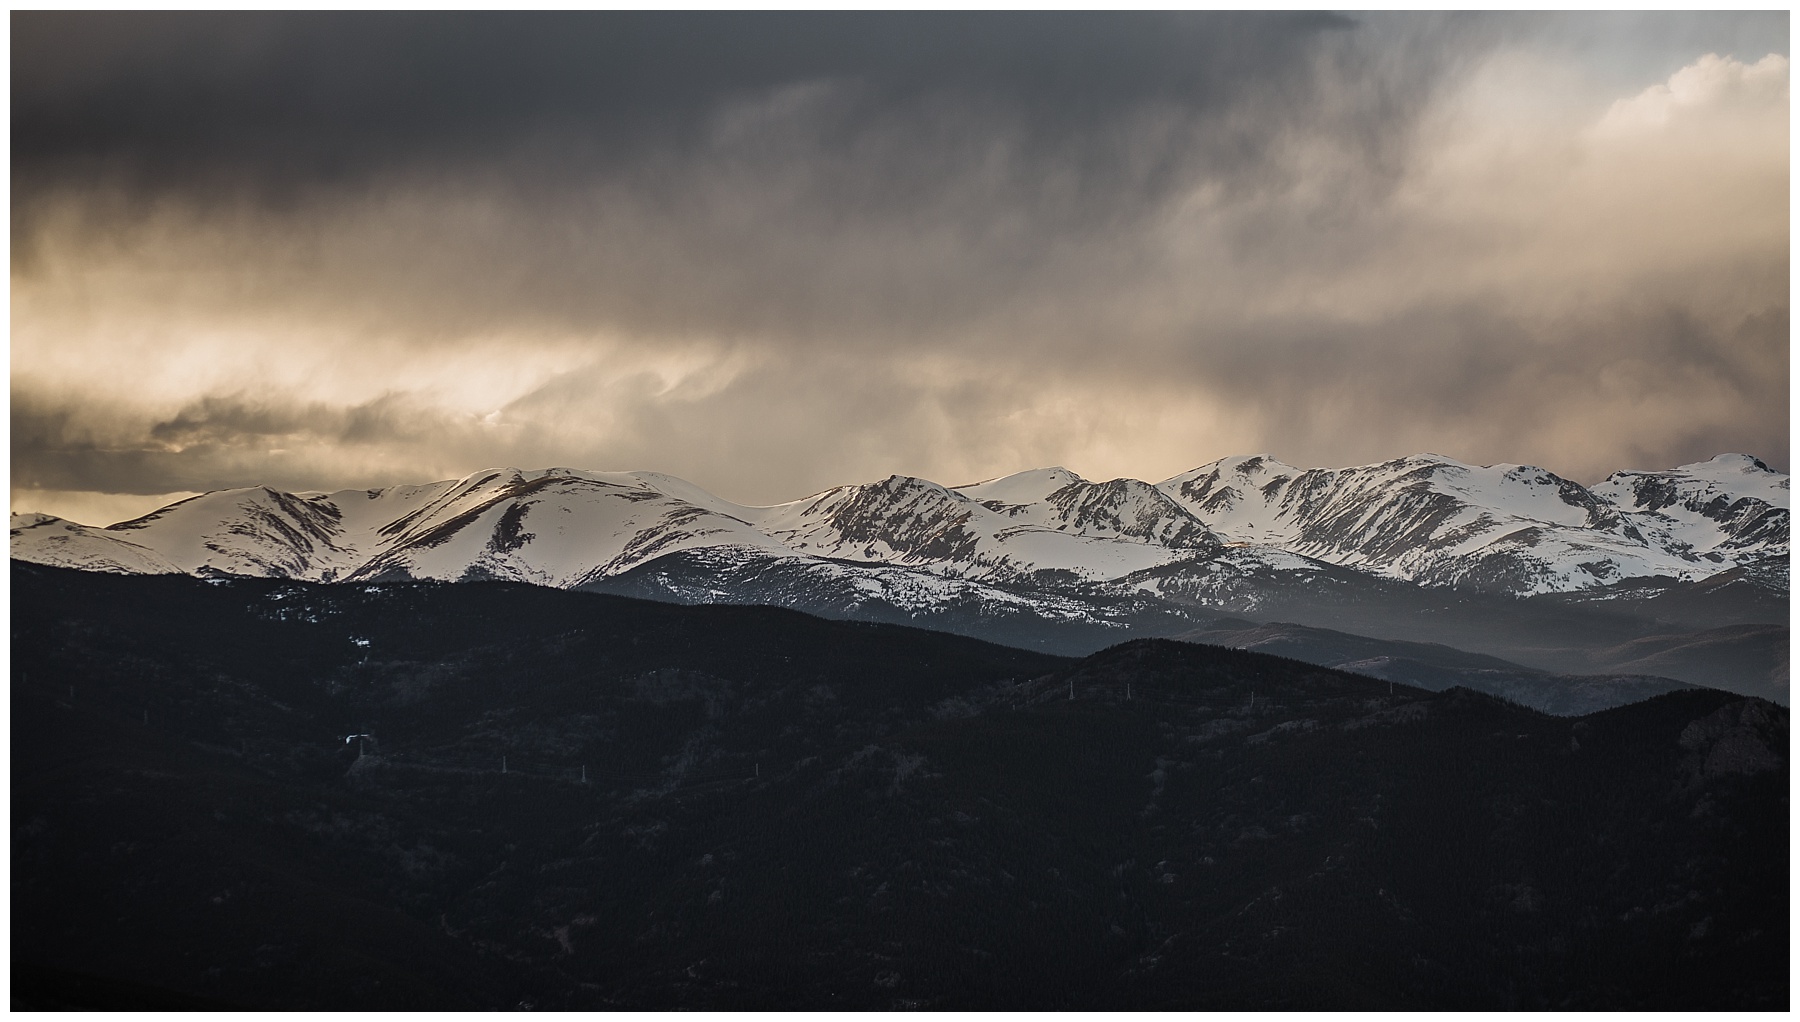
(1511, 528)
(1427, 520)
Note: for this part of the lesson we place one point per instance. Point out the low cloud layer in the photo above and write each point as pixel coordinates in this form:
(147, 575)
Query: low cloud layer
(774, 253)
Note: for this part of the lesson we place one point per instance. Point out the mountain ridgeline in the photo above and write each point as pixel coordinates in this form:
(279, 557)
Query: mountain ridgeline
(267, 793)
(1427, 520)
(1511, 562)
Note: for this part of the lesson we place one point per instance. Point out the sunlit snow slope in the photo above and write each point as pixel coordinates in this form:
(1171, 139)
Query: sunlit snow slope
(1512, 528)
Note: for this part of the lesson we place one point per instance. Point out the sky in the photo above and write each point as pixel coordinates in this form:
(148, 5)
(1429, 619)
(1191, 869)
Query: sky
(773, 253)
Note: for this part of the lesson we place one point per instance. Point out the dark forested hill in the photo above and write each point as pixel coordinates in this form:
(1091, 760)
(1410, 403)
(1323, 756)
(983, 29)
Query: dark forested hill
(567, 800)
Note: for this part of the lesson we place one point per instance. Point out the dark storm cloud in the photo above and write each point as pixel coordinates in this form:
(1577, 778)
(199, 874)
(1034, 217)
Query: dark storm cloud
(1110, 111)
(865, 176)
(216, 441)
(230, 419)
(772, 252)
(780, 173)
(331, 95)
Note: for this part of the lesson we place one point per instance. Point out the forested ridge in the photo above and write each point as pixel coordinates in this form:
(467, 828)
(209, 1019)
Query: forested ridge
(567, 800)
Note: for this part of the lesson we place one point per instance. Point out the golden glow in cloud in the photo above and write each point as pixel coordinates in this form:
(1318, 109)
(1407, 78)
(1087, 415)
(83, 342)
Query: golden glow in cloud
(1533, 269)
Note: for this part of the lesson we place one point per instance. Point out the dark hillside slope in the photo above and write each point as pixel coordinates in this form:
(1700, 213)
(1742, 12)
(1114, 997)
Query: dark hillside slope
(785, 812)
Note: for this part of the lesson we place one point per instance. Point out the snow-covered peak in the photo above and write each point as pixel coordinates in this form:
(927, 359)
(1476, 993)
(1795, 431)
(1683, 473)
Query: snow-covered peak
(1433, 519)
(1128, 509)
(1523, 492)
(1255, 469)
(683, 490)
(1728, 476)
(1730, 509)
(252, 530)
(1741, 475)
(1428, 458)
(47, 539)
(1741, 464)
(1020, 488)
(898, 517)
(1234, 495)
(1046, 520)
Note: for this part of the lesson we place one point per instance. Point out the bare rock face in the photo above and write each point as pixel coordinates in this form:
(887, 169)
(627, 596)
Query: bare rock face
(1742, 738)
